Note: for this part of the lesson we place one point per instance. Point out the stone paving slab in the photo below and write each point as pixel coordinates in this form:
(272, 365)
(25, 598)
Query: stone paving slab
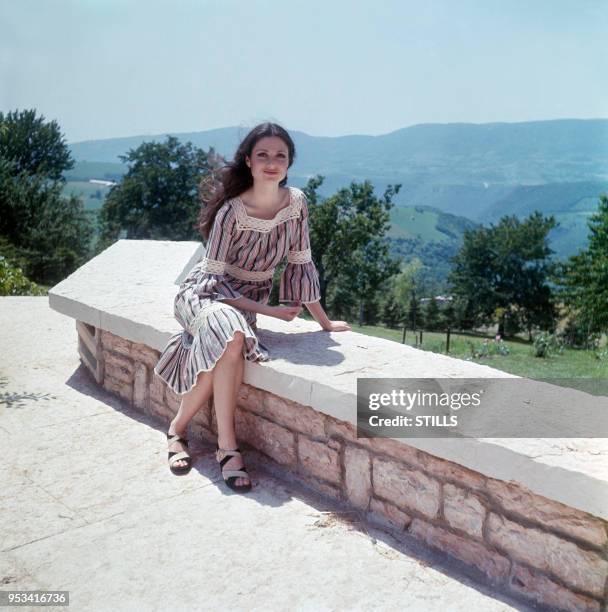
(88, 505)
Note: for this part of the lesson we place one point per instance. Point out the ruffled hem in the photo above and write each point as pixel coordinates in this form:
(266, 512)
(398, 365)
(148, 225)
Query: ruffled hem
(186, 356)
(300, 283)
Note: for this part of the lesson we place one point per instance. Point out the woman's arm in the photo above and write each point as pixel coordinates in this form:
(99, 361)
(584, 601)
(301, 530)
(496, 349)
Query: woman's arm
(316, 310)
(248, 304)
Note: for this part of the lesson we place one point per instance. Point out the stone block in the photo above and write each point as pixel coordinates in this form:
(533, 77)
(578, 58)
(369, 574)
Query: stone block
(448, 471)
(157, 388)
(340, 429)
(251, 398)
(576, 567)
(408, 489)
(295, 416)
(273, 440)
(387, 515)
(118, 387)
(172, 399)
(115, 343)
(357, 476)
(544, 591)
(553, 515)
(318, 459)
(160, 411)
(494, 565)
(203, 416)
(320, 486)
(463, 510)
(144, 354)
(118, 366)
(141, 387)
(394, 450)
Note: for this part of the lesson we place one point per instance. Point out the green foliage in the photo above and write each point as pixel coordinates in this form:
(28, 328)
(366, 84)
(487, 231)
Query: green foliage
(504, 270)
(584, 277)
(415, 314)
(546, 344)
(432, 315)
(487, 348)
(447, 319)
(14, 282)
(393, 313)
(157, 198)
(349, 246)
(45, 234)
(32, 146)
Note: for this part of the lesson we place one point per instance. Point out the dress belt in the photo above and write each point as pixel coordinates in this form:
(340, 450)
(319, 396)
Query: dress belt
(212, 266)
(252, 275)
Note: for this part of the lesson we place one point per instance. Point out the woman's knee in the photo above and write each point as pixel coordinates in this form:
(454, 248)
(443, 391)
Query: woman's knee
(235, 345)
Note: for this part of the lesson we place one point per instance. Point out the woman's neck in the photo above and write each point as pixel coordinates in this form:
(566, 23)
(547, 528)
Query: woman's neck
(265, 198)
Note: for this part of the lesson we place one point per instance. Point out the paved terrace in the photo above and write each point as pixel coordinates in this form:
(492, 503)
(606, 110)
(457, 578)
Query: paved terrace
(88, 505)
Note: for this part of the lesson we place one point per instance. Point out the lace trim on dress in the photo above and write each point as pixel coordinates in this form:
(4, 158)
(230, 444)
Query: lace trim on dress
(299, 257)
(245, 222)
(212, 266)
(249, 275)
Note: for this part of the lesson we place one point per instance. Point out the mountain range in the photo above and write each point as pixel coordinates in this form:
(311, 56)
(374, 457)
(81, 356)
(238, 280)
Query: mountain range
(477, 171)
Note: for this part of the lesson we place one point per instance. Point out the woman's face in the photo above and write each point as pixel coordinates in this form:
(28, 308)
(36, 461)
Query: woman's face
(269, 160)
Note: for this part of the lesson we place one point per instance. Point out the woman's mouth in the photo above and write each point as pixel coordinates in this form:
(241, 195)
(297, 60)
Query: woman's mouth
(268, 172)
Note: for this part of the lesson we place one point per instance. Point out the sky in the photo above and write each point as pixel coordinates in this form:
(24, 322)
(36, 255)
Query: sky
(112, 68)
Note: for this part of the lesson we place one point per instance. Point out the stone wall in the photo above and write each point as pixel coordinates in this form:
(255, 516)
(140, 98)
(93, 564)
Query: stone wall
(518, 541)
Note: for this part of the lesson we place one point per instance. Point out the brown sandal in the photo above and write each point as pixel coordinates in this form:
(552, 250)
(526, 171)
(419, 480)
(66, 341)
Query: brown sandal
(230, 476)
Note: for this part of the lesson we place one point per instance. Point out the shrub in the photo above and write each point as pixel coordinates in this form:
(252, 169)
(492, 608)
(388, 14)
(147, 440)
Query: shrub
(546, 344)
(14, 282)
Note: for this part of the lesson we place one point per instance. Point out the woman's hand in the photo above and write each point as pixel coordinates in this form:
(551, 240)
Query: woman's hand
(337, 326)
(286, 313)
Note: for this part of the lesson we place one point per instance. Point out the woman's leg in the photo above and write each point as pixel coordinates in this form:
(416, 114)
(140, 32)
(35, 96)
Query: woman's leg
(189, 406)
(227, 377)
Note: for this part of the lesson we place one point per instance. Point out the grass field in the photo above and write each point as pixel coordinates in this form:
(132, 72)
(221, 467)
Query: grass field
(520, 361)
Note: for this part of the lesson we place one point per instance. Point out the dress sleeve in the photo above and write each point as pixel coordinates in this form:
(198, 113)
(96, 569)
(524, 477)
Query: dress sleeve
(211, 281)
(300, 279)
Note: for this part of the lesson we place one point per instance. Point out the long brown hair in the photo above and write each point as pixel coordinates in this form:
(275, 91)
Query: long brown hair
(235, 176)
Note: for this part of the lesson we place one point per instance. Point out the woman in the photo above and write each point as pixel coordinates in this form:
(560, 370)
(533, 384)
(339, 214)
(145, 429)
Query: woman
(251, 223)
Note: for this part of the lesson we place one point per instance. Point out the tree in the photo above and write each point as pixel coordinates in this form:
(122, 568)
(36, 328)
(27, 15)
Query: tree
(431, 315)
(158, 196)
(502, 271)
(415, 315)
(447, 319)
(392, 312)
(584, 277)
(45, 234)
(33, 146)
(349, 244)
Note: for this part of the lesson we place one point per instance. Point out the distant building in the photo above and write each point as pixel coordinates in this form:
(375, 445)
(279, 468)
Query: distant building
(440, 299)
(100, 182)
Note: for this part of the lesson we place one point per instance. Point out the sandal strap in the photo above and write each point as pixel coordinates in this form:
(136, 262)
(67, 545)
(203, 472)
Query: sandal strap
(178, 456)
(236, 474)
(176, 438)
(226, 453)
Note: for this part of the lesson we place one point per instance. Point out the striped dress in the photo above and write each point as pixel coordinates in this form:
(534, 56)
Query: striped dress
(241, 255)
